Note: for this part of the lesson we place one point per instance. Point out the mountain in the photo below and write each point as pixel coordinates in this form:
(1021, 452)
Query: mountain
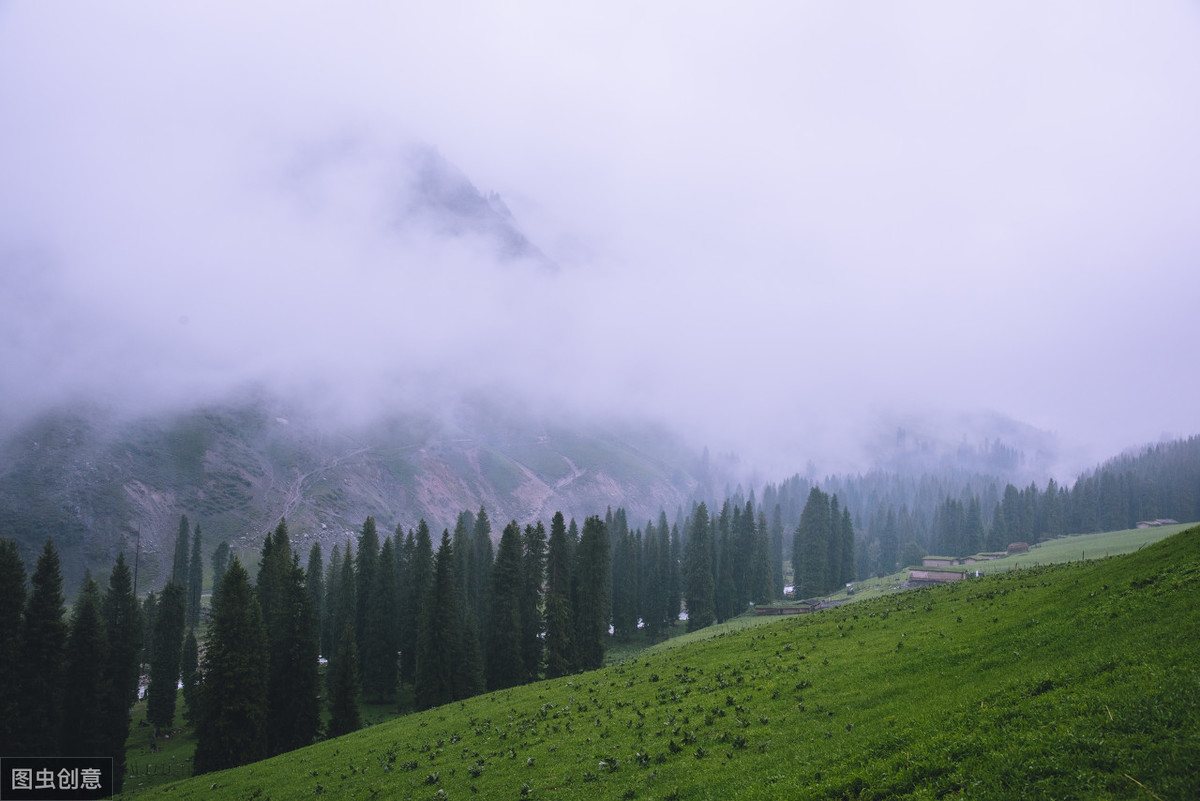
(93, 481)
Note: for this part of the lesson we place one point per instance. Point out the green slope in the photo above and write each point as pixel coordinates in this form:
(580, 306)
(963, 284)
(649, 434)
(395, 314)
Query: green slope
(1068, 681)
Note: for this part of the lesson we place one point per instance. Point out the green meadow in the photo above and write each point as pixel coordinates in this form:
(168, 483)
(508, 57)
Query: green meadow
(1073, 680)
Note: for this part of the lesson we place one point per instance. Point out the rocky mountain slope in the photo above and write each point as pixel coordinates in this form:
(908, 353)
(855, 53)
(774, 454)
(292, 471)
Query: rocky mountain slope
(95, 483)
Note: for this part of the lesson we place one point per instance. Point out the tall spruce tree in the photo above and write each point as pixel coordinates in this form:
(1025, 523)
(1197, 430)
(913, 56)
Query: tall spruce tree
(446, 668)
(195, 582)
(164, 658)
(560, 641)
(533, 573)
(344, 685)
(593, 596)
(123, 630)
(420, 577)
(333, 579)
(43, 646)
(698, 571)
(83, 724)
(366, 564)
(382, 644)
(314, 581)
(189, 675)
(810, 546)
(293, 683)
(12, 606)
(479, 577)
(183, 541)
(504, 665)
(232, 725)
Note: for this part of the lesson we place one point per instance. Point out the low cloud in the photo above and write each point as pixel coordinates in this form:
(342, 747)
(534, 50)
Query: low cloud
(772, 226)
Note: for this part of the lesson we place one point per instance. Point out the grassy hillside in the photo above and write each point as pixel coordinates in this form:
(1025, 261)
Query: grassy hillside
(1078, 680)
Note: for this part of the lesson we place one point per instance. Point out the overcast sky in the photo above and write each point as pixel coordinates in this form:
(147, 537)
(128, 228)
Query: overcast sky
(774, 221)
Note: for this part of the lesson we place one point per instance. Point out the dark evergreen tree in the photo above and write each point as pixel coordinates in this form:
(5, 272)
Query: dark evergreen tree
(675, 590)
(504, 666)
(344, 685)
(777, 550)
(220, 560)
(333, 579)
(149, 614)
(420, 577)
(43, 647)
(123, 632)
(833, 548)
(480, 573)
(762, 584)
(593, 596)
(195, 582)
(366, 565)
(183, 541)
(446, 670)
(382, 645)
(189, 672)
(83, 724)
(810, 546)
(560, 641)
(698, 571)
(846, 530)
(533, 572)
(624, 579)
(12, 606)
(232, 725)
(314, 582)
(164, 658)
(293, 683)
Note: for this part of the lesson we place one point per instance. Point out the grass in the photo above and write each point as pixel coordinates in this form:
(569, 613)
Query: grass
(1078, 680)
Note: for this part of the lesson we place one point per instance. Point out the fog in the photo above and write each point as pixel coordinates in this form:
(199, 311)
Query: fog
(772, 226)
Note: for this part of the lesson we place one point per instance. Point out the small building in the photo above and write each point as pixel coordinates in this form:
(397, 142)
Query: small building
(1018, 547)
(935, 575)
(939, 561)
(798, 608)
(1162, 521)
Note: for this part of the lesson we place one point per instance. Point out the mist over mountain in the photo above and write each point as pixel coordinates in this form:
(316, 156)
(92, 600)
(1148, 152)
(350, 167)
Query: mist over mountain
(805, 240)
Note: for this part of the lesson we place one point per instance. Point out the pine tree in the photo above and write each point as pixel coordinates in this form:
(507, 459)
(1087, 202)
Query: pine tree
(179, 569)
(560, 642)
(314, 581)
(44, 643)
(292, 644)
(366, 564)
(232, 725)
(333, 580)
(189, 672)
(420, 577)
(847, 545)
(439, 635)
(675, 590)
(480, 572)
(123, 631)
(379, 651)
(504, 666)
(776, 540)
(12, 605)
(533, 571)
(344, 685)
(195, 582)
(164, 658)
(83, 726)
(699, 586)
(810, 546)
(592, 568)
(762, 585)
(149, 614)
(220, 560)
